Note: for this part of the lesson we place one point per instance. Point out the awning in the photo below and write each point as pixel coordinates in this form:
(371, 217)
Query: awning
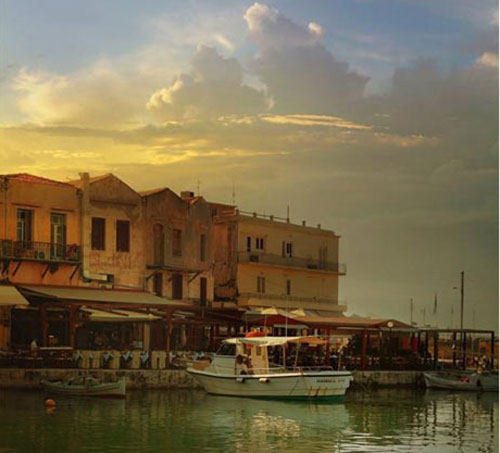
(9, 295)
(350, 322)
(96, 315)
(125, 297)
(263, 341)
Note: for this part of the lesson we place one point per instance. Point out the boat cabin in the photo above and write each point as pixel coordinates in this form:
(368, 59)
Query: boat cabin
(263, 355)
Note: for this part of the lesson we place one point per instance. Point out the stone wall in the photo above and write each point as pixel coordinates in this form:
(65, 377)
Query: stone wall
(180, 379)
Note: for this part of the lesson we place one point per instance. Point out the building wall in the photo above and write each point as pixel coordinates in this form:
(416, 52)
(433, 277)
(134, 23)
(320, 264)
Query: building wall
(43, 199)
(307, 284)
(193, 218)
(225, 234)
(306, 241)
(110, 198)
(313, 275)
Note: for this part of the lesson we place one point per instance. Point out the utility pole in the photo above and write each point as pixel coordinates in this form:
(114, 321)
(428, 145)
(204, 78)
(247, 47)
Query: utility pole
(462, 302)
(411, 311)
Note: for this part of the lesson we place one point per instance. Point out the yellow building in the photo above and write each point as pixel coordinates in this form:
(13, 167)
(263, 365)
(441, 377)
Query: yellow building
(39, 239)
(264, 261)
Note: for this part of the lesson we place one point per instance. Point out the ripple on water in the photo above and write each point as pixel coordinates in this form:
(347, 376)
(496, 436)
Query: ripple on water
(388, 421)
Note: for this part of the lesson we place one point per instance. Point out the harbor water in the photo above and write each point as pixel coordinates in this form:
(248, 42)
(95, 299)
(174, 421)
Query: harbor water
(177, 421)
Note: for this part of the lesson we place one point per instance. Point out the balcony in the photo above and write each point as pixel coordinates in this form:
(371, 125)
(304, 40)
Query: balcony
(39, 251)
(303, 263)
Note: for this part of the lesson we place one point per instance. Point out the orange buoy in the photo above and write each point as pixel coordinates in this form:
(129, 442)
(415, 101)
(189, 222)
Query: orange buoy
(49, 402)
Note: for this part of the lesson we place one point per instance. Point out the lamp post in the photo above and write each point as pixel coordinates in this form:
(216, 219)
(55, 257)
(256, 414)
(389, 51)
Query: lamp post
(462, 333)
(390, 324)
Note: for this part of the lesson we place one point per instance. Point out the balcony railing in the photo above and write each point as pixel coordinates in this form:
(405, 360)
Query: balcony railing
(39, 251)
(304, 263)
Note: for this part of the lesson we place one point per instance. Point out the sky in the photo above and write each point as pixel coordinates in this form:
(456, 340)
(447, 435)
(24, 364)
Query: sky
(377, 119)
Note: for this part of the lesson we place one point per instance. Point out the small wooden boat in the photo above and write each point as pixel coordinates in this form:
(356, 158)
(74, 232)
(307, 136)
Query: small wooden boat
(86, 386)
(486, 381)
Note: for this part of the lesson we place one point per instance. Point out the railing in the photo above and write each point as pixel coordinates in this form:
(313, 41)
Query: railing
(39, 251)
(279, 260)
(279, 297)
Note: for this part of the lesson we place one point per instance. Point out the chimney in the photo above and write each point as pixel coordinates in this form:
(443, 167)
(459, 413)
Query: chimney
(319, 226)
(303, 223)
(187, 194)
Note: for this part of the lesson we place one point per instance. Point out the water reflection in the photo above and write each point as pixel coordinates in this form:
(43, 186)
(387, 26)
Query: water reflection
(192, 421)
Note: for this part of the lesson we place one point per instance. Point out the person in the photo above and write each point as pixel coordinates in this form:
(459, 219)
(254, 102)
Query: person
(34, 346)
(240, 366)
(248, 362)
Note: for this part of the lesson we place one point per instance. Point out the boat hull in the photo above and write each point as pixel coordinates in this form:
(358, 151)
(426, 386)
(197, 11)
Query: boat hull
(106, 390)
(295, 386)
(474, 382)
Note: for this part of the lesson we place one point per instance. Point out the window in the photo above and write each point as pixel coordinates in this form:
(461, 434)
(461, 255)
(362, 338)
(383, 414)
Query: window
(177, 286)
(203, 291)
(122, 236)
(158, 245)
(25, 226)
(261, 284)
(177, 243)
(98, 233)
(286, 249)
(203, 246)
(158, 284)
(288, 287)
(323, 256)
(249, 244)
(259, 243)
(57, 235)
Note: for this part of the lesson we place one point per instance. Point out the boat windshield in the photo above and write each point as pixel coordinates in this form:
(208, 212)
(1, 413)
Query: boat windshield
(227, 349)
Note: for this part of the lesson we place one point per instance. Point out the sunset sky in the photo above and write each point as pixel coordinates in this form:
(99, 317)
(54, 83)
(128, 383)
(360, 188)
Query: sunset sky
(376, 118)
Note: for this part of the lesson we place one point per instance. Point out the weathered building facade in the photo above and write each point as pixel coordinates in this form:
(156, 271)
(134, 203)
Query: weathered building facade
(112, 232)
(262, 261)
(178, 246)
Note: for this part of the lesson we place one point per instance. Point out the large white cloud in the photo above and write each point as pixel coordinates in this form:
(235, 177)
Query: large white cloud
(213, 88)
(299, 72)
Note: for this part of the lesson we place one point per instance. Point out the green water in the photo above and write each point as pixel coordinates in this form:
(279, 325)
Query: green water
(175, 421)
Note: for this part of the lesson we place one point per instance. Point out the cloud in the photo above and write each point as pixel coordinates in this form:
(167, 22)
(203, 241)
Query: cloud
(101, 96)
(301, 75)
(488, 59)
(423, 99)
(314, 120)
(213, 88)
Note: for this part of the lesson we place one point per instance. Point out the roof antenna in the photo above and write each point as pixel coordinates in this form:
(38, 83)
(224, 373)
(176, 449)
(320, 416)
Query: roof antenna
(233, 196)
(198, 186)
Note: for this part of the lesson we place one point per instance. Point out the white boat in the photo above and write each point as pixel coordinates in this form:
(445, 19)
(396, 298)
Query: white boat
(86, 386)
(485, 381)
(225, 375)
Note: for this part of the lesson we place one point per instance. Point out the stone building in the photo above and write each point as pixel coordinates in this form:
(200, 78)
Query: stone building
(112, 228)
(178, 246)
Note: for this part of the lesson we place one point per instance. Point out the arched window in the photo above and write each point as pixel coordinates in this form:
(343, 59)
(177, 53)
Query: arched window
(158, 245)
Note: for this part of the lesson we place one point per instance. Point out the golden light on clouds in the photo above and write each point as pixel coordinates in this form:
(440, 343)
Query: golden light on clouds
(315, 120)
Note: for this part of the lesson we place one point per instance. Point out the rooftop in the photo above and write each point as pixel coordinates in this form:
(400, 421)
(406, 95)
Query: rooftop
(32, 179)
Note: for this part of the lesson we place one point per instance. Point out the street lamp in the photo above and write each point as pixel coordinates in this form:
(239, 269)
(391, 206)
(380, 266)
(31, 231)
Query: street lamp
(390, 324)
